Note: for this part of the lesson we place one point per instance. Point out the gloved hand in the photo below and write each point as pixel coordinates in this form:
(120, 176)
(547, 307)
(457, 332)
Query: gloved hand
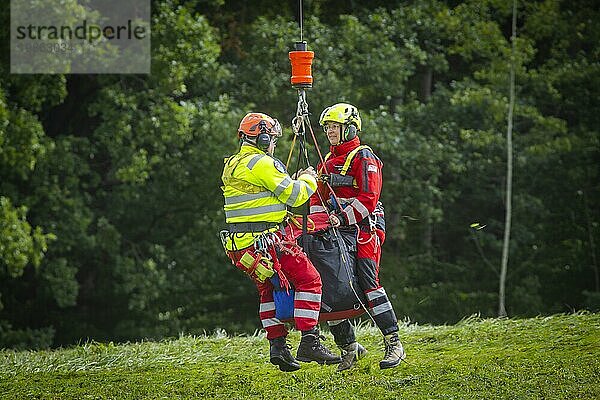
(309, 170)
(337, 220)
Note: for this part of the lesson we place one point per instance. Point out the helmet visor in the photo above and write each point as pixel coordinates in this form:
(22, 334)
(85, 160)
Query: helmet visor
(276, 129)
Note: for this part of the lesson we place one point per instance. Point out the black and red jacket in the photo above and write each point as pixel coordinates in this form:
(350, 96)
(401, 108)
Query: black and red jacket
(358, 197)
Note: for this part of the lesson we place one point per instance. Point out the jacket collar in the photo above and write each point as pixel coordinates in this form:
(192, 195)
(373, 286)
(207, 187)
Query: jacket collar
(248, 149)
(345, 147)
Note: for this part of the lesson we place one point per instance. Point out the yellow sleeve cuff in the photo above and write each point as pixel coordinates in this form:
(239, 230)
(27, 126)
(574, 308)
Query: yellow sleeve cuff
(310, 181)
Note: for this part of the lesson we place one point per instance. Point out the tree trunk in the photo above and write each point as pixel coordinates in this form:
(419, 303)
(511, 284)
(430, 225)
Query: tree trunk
(509, 171)
(592, 244)
(428, 229)
(426, 82)
(426, 75)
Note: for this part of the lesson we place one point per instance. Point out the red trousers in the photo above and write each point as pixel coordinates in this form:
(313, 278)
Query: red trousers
(367, 263)
(298, 270)
(369, 248)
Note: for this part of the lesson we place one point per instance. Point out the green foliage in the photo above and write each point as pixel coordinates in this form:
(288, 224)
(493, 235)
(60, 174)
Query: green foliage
(20, 134)
(25, 339)
(19, 245)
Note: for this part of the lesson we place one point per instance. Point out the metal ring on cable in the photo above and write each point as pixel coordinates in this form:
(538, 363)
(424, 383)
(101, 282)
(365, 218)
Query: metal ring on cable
(296, 124)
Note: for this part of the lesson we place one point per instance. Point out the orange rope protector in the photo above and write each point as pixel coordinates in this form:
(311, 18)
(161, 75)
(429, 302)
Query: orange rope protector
(301, 61)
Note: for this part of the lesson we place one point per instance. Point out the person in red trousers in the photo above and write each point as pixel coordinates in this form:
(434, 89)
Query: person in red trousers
(257, 191)
(353, 172)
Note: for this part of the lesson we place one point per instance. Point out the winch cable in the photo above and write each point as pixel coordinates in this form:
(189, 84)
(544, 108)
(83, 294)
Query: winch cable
(300, 18)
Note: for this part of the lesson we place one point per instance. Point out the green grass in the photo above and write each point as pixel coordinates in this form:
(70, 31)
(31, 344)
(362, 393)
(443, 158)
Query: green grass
(555, 357)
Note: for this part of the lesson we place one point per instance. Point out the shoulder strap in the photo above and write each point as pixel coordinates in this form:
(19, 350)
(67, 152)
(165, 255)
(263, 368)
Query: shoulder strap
(350, 157)
(324, 161)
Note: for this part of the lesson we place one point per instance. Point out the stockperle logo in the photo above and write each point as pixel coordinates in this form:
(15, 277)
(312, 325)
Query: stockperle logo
(80, 36)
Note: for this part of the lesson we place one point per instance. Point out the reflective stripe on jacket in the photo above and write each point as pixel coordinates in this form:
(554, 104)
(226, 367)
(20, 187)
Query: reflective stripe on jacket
(257, 188)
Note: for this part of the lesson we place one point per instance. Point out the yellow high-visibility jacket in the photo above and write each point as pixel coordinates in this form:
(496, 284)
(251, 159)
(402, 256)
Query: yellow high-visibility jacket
(257, 188)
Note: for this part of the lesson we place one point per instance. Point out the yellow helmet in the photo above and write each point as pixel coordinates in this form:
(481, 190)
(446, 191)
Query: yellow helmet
(345, 114)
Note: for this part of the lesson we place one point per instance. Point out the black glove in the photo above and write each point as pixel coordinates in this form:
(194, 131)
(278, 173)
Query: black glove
(337, 180)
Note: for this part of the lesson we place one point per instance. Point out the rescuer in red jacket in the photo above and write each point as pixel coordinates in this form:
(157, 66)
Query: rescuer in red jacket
(353, 171)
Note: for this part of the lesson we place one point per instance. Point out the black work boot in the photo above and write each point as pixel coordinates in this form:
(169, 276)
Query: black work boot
(281, 355)
(394, 352)
(311, 349)
(350, 354)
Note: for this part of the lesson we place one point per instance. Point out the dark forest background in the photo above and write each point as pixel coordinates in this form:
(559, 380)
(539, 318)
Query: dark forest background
(109, 184)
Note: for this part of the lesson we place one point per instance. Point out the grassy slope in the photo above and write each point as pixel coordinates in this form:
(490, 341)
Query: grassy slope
(554, 357)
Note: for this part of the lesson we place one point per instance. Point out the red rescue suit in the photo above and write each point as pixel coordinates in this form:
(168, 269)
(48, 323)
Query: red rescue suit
(358, 190)
(298, 270)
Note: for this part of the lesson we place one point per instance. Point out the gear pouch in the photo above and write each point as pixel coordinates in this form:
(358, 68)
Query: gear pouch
(284, 300)
(257, 266)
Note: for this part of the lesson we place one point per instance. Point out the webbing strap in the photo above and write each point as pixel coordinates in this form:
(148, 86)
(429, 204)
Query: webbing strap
(246, 227)
(349, 158)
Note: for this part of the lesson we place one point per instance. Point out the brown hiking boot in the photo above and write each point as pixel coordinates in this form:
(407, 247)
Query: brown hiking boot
(394, 352)
(350, 354)
(311, 349)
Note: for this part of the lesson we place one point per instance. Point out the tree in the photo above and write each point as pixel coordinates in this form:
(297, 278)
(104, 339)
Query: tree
(509, 170)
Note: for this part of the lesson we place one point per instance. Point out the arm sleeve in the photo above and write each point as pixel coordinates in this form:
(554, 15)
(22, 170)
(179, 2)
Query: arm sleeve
(292, 192)
(321, 193)
(366, 170)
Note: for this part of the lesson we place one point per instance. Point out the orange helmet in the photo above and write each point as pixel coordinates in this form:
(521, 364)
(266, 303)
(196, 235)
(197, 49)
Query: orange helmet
(253, 124)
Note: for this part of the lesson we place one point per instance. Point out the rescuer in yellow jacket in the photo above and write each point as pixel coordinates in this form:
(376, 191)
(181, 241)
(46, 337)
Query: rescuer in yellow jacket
(257, 191)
